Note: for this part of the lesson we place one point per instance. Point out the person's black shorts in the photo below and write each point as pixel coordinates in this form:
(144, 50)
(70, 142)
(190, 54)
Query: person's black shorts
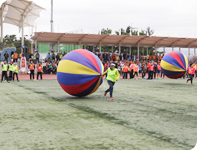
(191, 75)
(136, 73)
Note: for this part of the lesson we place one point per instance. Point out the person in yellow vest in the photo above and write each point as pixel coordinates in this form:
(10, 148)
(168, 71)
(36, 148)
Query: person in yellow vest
(10, 68)
(13, 56)
(4, 71)
(147, 57)
(195, 66)
(112, 76)
(143, 57)
(117, 57)
(61, 56)
(15, 71)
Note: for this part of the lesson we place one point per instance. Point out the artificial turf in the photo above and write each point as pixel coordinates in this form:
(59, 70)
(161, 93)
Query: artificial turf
(145, 115)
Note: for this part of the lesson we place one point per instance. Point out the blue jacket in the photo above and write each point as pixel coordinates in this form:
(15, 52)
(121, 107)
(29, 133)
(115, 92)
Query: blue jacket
(49, 57)
(140, 68)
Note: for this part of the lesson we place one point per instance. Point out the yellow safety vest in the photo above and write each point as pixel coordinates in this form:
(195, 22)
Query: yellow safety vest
(15, 69)
(10, 67)
(5, 67)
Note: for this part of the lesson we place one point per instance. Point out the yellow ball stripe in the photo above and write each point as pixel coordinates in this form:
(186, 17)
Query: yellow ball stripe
(186, 61)
(68, 66)
(102, 67)
(96, 87)
(167, 66)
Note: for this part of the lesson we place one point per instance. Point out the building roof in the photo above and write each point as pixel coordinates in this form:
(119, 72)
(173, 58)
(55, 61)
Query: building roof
(114, 40)
(18, 8)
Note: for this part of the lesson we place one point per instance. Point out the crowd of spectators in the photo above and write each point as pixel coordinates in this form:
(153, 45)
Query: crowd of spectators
(52, 61)
(131, 66)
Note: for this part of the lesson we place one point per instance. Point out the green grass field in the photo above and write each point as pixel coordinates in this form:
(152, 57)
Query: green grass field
(145, 115)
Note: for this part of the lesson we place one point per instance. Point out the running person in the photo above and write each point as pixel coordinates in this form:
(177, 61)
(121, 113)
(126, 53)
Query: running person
(191, 72)
(112, 76)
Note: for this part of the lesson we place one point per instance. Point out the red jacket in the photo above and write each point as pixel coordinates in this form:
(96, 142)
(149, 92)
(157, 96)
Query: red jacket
(158, 67)
(151, 68)
(106, 67)
(148, 66)
(132, 67)
(125, 69)
(31, 66)
(191, 70)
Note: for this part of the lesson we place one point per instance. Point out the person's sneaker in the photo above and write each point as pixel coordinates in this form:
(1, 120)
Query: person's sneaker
(112, 98)
(186, 81)
(18, 80)
(105, 94)
(192, 83)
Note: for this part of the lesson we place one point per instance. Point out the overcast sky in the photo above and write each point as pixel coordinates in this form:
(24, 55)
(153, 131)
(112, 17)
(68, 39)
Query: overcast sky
(175, 18)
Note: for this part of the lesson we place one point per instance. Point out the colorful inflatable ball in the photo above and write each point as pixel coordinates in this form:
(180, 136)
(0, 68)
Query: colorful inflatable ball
(174, 65)
(79, 73)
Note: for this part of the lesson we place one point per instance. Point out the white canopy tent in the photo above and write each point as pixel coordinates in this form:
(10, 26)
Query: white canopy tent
(3, 12)
(21, 13)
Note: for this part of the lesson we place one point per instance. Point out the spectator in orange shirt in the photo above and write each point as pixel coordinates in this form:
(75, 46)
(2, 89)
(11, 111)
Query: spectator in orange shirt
(40, 70)
(154, 57)
(125, 71)
(113, 57)
(15, 57)
(143, 57)
(31, 68)
(159, 57)
(131, 70)
(150, 57)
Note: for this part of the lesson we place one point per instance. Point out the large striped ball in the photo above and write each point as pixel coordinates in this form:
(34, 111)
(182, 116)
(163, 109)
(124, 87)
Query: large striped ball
(174, 65)
(79, 73)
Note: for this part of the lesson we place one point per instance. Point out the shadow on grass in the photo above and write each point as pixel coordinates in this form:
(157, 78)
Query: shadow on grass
(73, 98)
(174, 84)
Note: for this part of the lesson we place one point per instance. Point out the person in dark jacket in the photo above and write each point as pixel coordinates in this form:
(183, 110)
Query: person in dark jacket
(6, 56)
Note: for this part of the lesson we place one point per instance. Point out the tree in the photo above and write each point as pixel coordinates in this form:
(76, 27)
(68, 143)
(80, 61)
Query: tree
(149, 31)
(106, 48)
(106, 31)
(11, 41)
(18, 44)
(130, 30)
